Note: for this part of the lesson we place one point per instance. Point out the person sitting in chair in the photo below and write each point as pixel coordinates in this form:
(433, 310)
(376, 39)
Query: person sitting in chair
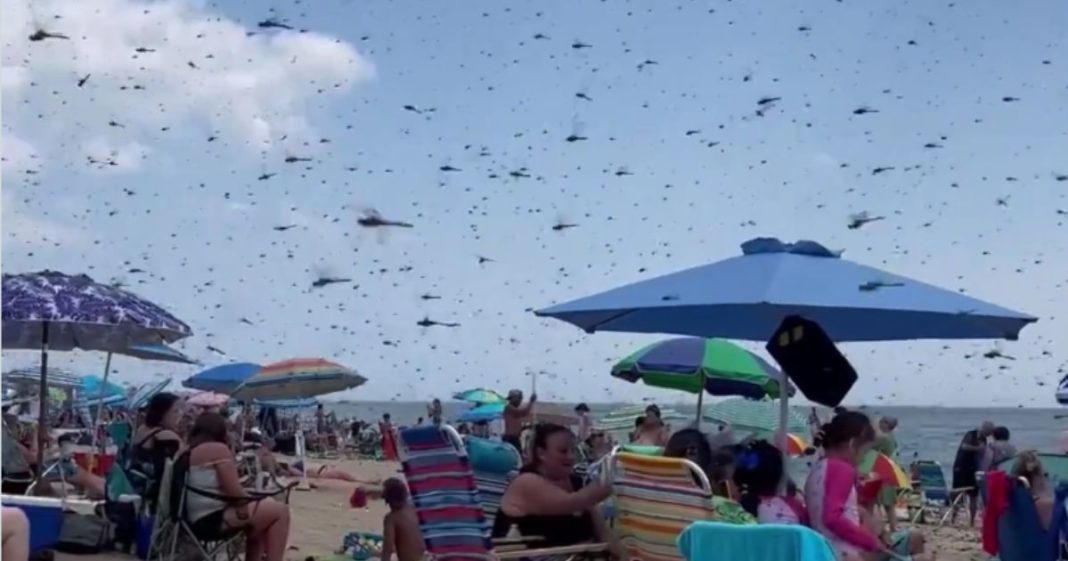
(216, 502)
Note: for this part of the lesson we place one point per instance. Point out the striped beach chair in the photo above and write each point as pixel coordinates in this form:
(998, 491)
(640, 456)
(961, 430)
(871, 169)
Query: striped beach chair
(494, 465)
(655, 499)
(447, 502)
(444, 494)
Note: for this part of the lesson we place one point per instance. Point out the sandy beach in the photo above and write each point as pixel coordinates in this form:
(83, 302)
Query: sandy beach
(322, 516)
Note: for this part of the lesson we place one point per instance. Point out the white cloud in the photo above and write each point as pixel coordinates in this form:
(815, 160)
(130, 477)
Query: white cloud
(16, 154)
(27, 232)
(105, 155)
(197, 69)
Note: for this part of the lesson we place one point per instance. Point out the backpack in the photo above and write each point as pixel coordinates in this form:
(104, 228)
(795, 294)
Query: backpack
(83, 535)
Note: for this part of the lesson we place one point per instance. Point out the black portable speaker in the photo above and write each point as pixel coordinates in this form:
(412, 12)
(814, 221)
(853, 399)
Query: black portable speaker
(809, 358)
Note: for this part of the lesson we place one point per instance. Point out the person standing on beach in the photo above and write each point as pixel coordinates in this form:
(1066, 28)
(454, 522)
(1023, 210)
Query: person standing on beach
(433, 411)
(969, 454)
(515, 414)
(886, 444)
(585, 425)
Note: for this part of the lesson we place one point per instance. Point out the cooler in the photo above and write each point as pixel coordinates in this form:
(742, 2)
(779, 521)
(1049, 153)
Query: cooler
(45, 515)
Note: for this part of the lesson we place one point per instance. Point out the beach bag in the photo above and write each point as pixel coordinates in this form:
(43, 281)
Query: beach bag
(84, 535)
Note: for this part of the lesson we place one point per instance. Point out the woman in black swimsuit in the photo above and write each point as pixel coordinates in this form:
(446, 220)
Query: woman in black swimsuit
(547, 500)
(155, 442)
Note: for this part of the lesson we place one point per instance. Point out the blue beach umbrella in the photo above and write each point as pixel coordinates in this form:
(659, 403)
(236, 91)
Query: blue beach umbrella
(94, 387)
(747, 297)
(486, 412)
(478, 395)
(224, 378)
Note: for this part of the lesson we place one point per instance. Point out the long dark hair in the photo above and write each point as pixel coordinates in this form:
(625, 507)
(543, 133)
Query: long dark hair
(208, 427)
(542, 433)
(158, 407)
(758, 471)
(845, 426)
(690, 444)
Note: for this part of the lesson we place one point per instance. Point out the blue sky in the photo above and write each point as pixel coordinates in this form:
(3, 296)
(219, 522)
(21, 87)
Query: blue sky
(119, 174)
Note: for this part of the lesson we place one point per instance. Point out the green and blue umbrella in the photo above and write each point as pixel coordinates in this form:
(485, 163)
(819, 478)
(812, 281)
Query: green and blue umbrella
(696, 365)
(478, 395)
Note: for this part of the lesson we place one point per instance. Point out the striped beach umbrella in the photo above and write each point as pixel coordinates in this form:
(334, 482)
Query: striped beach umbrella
(298, 378)
(622, 419)
(753, 416)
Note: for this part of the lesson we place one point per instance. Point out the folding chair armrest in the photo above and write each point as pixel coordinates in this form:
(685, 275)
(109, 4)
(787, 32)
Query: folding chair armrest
(554, 551)
(962, 489)
(252, 496)
(516, 540)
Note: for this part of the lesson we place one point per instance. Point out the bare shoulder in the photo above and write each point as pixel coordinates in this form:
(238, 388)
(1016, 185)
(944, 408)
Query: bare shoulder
(210, 451)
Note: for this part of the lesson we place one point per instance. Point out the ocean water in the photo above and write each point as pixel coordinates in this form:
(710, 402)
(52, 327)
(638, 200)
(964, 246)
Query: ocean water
(930, 433)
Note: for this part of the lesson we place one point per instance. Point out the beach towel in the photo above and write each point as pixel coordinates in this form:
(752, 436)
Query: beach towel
(1020, 533)
(996, 497)
(716, 541)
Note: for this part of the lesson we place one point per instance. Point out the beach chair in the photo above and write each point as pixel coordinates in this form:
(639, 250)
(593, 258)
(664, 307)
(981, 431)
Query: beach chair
(494, 465)
(1020, 533)
(933, 497)
(446, 501)
(173, 537)
(655, 499)
(716, 540)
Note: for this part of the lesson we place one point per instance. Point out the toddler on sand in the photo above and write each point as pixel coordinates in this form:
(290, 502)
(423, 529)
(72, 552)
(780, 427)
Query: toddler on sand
(400, 527)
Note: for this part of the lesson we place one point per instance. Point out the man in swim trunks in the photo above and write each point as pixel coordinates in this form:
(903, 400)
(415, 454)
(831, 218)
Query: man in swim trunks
(515, 414)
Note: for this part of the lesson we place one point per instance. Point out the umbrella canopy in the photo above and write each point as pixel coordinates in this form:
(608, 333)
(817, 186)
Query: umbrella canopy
(94, 387)
(485, 412)
(146, 392)
(81, 314)
(298, 378)
(158, 353)
(795, 445)
(691, 364)
(623, 418)
(880, 465)
(304, 403)
(753, 416)
(56, 377)
(208, 399)
(478, 395)
(747, 297)
(224, 378)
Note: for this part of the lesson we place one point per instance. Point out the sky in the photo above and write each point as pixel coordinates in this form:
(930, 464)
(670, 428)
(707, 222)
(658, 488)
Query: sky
(219, 167)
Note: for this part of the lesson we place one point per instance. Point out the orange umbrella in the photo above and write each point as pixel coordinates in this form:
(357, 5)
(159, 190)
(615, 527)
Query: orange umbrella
(795, 445)
(882, 467)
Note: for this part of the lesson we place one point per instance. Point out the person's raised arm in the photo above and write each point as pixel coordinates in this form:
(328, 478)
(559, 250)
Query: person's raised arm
(530, 494)
(526, 409)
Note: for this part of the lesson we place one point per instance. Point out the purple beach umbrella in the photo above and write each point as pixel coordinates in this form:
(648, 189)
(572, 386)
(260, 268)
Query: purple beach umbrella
(54, 310)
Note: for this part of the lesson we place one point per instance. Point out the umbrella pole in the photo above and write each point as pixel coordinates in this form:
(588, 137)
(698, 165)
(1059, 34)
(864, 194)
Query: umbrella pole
(96, 418)
(700, 400)
(42, 414)
(784, 414)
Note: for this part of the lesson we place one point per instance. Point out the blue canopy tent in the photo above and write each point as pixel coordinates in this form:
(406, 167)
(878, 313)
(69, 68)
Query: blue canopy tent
(747, 297)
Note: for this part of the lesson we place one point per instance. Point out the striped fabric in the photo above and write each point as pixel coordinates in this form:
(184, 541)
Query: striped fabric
(444, 494)
(655, 499)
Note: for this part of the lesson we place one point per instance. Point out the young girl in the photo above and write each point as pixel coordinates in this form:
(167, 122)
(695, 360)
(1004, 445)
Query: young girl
(831, 489)
(759, 473)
